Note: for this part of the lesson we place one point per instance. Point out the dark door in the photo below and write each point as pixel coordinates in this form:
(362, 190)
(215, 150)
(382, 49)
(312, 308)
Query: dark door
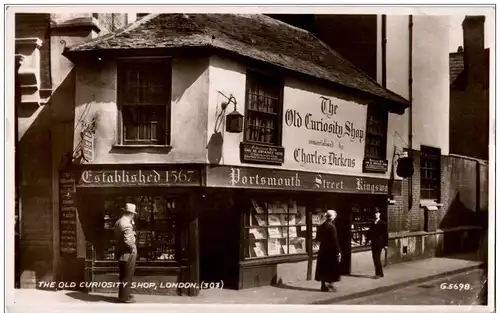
(343, 225)
(219, 242)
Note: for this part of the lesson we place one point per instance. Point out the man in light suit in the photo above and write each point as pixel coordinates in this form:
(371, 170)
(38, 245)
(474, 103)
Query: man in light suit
(126, 251)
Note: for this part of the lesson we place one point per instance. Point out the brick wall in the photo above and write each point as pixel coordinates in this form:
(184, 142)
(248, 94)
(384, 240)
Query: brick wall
(415, 218)
(460, 196)
(463, 197)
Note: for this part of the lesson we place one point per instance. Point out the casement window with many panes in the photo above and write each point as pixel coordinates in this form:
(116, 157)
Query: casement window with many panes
(376, 133)
(144, 101)
(430, 173)
(263, 109)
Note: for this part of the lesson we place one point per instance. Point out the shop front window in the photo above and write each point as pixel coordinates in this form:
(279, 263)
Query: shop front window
(155, 223)
(275, 227)
(317, 219)
(361, 219)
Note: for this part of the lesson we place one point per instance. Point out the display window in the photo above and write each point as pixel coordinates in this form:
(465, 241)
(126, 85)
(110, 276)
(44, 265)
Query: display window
(275, 227)
(155, 226)
(362, 217)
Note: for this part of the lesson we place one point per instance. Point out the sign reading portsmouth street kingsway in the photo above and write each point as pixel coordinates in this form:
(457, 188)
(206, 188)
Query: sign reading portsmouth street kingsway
(260, 178)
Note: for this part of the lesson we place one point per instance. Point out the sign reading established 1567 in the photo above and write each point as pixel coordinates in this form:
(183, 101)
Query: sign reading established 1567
(142, 177)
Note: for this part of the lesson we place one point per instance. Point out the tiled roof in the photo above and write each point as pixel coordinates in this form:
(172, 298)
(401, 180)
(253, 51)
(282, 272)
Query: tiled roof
(458, 79)
(456, 65)
(255, 36)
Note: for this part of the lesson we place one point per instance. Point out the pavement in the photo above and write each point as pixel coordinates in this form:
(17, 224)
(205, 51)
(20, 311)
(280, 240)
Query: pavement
(464, 289)
(357, 285)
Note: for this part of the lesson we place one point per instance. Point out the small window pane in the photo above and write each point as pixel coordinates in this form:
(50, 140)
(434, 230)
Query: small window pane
(145, 95)
(262, 123)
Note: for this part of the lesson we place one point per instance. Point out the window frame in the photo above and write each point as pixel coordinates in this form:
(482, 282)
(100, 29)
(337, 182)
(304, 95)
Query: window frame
(382, 116)
(254, 74)
(248, 215)
(430, 154)
(104, 244)
(124, 62)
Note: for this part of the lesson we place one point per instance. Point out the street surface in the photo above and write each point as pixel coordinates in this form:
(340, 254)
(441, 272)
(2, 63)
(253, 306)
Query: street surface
(460, 289)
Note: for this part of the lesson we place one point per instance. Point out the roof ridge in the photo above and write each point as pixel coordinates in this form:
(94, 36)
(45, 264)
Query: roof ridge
(281, 22)
(128, 27)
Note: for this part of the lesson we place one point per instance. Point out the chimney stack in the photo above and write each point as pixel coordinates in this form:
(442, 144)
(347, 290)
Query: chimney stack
(474, 54)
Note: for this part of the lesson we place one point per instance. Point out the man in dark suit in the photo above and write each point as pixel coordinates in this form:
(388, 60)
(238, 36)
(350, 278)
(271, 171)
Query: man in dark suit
(327, 264)
(126, 252)
(379, 238)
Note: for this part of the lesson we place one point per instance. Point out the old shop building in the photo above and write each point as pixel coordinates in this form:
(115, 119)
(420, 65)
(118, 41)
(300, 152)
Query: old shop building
(232, 133)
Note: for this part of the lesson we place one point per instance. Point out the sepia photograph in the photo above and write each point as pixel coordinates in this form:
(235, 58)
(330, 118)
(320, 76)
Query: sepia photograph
(299, 157)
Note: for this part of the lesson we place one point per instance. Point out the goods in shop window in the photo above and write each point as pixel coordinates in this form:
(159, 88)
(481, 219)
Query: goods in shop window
(274, 232)
(260, 220)
(301, 215)
(258, 209)
(258, 233)
(279, 208)
(284, 249)
(316, 218)
(274, 220)
(271, 207)
(274, 247)
(259, 249)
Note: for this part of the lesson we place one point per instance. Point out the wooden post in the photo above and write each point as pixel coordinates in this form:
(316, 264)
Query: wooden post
(194, 244)
(309, 245)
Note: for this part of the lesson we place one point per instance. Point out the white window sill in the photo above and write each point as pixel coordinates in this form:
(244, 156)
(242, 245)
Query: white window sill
(143, 147)
(430, 205)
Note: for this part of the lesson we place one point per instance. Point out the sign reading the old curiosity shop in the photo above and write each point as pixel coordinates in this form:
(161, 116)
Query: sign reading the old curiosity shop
(323, 134)
(260, 178)
(141, 177)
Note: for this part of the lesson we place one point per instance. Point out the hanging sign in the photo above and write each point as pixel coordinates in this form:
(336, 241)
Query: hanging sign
(67, 215)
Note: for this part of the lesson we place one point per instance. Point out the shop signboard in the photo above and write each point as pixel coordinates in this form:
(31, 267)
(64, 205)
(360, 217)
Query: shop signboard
(324, 133)
(122, 177)
(67, 215)
(262, 178)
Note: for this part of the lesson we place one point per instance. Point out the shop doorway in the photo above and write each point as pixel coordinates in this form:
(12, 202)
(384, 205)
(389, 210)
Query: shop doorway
(219, 241)
(343, 224)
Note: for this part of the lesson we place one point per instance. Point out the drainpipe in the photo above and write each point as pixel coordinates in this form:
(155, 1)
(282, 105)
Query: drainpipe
(410, 109)
(384, 50)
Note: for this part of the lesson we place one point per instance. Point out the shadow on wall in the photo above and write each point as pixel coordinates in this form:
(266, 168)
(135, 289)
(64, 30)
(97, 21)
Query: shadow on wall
(459, 214)
(465, 241)
(214, 146)
(36, 167)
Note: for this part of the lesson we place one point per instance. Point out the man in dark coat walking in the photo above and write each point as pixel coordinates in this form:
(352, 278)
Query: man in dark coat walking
(327, 265)
(126, 252)
(379, 238)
